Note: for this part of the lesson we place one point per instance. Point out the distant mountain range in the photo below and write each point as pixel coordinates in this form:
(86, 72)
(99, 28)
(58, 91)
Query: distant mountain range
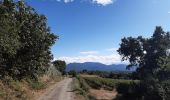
(92, 66)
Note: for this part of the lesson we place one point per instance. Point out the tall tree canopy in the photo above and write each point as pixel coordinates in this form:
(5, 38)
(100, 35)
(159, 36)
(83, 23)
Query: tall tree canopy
(151, 56)
(25, 40)
(145, 52)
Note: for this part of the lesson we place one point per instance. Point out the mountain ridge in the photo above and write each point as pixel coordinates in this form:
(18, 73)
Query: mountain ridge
(94, 66)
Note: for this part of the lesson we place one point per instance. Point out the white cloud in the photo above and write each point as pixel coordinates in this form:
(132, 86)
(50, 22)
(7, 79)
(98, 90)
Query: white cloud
(89, 52)
(65, 1)
(107, 59)
(112, 49)
(103, 2)
(100, 2)
(111, 57)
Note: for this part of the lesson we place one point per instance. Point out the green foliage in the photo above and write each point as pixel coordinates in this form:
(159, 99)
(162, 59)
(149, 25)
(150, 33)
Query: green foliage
(131, 91)
(25, 41)
(145, 52)
(60, 65)
(151, 55)
(164, 72)
(73, 73)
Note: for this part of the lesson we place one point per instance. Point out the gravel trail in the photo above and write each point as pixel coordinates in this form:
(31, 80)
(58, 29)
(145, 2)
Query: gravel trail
(60, 91)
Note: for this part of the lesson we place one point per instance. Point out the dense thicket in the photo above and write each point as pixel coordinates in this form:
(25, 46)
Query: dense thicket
(151, 55)
(25, 40)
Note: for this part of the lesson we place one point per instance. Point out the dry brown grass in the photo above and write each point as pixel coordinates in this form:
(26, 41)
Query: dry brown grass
(103, 94)
(22, 90)
(15, 90)
(86, 75)
(79, 97)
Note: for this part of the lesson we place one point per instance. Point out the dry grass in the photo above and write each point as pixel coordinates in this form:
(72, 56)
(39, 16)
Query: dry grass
(24, 89)
(15, 90)
(102, 94)
(86, 75)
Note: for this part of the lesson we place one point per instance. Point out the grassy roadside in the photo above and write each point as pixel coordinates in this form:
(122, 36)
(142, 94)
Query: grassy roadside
(25, 89)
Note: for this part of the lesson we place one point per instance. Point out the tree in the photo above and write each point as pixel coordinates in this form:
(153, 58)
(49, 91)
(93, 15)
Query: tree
(60, 65)
(9, 39)
(73, 73)
(25, 40)
(163, 75)
(146, 54)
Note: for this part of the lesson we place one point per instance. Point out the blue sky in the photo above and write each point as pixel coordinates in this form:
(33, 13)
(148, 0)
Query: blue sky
(91, 30)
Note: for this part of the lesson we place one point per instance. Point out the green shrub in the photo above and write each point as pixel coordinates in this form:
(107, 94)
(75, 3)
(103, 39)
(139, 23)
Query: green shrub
(73, 73)
(131, 91)
(166, 86)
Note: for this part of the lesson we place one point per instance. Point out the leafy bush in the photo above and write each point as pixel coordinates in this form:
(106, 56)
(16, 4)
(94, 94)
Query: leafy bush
(144, 91)
(130, 91)
(73, 73)
(166, 86)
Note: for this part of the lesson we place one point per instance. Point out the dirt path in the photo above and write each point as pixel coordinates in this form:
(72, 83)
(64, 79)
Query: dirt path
(60, 91)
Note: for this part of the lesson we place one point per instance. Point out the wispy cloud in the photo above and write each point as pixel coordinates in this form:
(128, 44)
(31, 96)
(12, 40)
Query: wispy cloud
(107, 59)
(65, 1)
(89, 52)
(106, 56)
(103, 2)
(112, 49)
(100, 2)
(169, 12)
